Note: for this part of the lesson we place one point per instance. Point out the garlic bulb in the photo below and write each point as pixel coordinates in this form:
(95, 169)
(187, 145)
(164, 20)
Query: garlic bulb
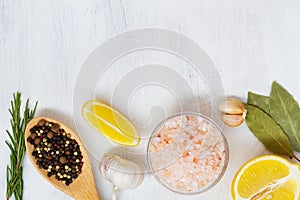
(124, 174)
(234, 112)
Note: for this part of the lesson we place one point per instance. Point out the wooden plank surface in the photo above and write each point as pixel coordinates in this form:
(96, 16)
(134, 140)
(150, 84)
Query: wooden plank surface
(43, 44)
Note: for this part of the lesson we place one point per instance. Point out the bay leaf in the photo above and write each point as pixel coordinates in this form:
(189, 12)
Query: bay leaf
(268, 131)
(259, 101)
(286, 112)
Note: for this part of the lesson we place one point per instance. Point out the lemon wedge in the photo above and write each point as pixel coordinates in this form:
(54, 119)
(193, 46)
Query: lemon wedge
(110, 123)
(267, 177)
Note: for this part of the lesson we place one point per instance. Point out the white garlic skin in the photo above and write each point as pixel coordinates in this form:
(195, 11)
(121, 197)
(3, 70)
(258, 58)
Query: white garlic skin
(234, 112)
(123, 173)
(232, 106)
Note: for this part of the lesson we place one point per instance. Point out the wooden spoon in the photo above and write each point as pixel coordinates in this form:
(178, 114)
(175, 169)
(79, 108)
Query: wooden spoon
(83, 187)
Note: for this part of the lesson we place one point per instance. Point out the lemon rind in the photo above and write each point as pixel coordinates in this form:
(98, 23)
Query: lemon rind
(294, 175)
(95, 102)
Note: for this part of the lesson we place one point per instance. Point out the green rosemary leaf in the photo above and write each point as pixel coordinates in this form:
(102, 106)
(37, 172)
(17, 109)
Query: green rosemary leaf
(268, 131)
(8, 171)
(286, 112)
(14, 188)
(16, 144)
(9, 135)
(10, 147)
(31, 115)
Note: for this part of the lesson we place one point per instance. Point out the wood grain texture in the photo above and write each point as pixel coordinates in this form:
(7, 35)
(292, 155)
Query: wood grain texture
(43, 44)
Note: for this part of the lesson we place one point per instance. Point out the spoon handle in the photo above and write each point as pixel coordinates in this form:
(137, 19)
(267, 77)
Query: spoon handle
(87, 193)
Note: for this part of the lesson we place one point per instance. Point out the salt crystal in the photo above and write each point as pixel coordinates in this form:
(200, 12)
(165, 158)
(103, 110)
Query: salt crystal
(157, 140)
(204, 127)
(186, 175)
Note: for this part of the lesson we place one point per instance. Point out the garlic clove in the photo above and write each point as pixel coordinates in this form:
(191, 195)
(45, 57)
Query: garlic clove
(123, 173)
(232, 106)
(233, 120)
(126, 180)
(235, 100)
(105, 166)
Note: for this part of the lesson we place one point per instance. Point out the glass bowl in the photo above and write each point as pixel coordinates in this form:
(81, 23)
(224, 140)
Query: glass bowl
(187, 153)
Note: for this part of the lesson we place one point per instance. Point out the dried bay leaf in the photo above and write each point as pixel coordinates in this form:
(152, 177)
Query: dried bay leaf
(268, 131)
(259, 101)
(286, 112)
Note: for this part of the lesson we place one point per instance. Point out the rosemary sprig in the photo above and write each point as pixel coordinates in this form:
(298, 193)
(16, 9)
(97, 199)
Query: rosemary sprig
(14, 172)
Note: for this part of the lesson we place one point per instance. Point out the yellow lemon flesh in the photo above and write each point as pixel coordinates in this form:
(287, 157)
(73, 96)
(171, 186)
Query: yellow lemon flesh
(111, 123)
(267, 177)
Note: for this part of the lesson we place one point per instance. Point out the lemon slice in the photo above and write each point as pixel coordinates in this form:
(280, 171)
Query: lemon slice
(110, 123)
(267, 177)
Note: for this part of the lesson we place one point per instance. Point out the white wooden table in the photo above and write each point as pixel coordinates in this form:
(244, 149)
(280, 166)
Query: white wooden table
(44, 43)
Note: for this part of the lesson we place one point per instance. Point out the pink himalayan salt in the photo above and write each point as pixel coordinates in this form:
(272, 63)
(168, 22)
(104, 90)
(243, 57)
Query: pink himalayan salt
(188, 153)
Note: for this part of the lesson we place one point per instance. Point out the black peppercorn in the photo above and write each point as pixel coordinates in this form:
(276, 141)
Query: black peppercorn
(41, 122)
(37, 141)
(50, 135)
(32, 135)
(56, 152)
(63, 160)
(55, 128)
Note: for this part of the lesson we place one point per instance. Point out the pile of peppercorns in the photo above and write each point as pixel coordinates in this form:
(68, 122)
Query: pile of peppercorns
(55, 151)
